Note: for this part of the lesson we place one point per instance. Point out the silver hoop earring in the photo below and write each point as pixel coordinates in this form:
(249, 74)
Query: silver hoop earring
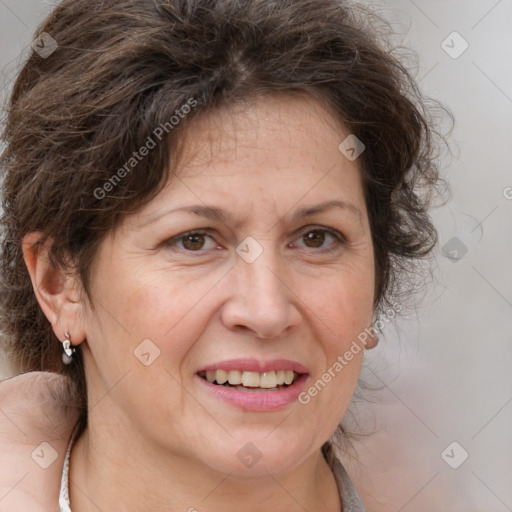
(67, 356)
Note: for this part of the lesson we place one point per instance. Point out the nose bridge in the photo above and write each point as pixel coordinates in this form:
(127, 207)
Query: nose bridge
(261, 299)
(263, 282)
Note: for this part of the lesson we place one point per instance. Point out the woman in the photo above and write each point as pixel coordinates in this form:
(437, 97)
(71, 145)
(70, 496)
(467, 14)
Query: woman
(206, 205)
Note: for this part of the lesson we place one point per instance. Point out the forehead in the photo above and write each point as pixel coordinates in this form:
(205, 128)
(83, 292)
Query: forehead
(290, 127)
(270, 155)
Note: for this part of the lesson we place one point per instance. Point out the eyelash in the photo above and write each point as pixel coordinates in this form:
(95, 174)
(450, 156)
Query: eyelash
(339, 238)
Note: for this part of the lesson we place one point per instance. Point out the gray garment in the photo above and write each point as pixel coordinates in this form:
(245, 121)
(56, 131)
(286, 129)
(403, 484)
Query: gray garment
(350, 500)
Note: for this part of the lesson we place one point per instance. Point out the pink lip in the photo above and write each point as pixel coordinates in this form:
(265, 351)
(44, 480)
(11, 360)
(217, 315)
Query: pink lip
(254, 365)
(260, 400)
(256, 401)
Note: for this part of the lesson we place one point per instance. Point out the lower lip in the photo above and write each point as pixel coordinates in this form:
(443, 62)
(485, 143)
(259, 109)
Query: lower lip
(257, 400)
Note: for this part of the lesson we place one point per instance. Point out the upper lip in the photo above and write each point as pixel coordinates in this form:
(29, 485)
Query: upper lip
(255, 365)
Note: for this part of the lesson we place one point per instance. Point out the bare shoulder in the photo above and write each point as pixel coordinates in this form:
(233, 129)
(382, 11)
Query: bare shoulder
(34, 405)
(35, 426)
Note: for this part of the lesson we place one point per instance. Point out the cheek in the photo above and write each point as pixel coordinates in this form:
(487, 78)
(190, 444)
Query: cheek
(340, 313)
(162, 316)
(152, 300)
(169, 308)
(342, 306)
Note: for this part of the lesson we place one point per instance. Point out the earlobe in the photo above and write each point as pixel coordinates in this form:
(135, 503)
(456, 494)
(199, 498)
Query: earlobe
(372, 340)
(56, 290)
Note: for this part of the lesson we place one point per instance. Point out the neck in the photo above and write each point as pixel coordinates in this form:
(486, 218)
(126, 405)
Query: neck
(116, 471)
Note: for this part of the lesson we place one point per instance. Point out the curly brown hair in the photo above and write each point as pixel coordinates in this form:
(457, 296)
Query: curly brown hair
(124, 67)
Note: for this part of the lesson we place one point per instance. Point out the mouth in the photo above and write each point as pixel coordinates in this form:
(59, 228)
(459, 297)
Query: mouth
(251, 381)
(252, 384)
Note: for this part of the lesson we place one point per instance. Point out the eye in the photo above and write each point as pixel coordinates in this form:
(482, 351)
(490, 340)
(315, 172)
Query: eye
(321, 238)
(193, 241)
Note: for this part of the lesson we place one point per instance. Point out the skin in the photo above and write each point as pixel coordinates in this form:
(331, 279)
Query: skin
(156, 439)
(31, 413)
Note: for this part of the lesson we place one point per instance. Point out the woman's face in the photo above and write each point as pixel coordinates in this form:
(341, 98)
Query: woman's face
(278, 276)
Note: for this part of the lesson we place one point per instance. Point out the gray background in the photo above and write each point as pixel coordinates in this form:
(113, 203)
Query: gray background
(444, 372)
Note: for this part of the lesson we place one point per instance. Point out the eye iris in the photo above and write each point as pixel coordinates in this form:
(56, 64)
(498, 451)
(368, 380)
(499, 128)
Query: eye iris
(193, 242)
(314, 238)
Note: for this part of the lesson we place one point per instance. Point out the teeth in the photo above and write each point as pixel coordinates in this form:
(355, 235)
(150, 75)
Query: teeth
(221, 376)
(266, 380)
(251, 379)
(235, 377)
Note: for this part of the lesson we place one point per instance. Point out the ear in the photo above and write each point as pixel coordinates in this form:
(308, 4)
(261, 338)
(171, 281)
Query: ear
(58, 291)
(372, 340)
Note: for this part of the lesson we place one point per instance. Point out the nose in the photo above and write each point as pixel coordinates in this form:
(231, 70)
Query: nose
(261, 303)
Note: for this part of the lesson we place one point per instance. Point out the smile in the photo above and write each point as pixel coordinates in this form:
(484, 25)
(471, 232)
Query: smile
(249, 380)
(254, 385)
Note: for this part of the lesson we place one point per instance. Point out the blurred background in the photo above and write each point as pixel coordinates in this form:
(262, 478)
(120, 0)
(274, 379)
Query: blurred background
(440, 424)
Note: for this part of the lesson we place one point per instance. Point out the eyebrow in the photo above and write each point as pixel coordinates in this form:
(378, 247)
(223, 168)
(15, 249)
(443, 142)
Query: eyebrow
(219, 215)
(327, 205)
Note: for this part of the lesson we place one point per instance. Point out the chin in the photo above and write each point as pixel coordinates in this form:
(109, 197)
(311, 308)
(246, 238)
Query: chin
(255, 456)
